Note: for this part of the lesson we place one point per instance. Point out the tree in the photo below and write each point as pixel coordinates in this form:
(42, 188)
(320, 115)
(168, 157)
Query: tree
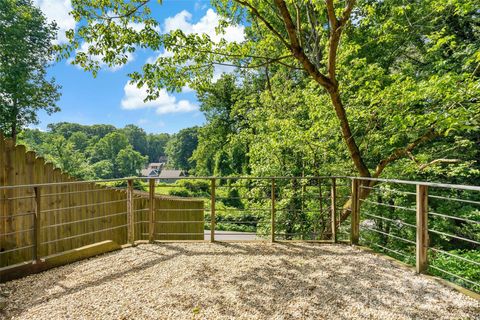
(25, 53)
(180, 148)
(129, 162)
(109, 146)
(137, 138)
(156, 145)
(317, 41)
(103, 169)
(217, 102)
(79, 140)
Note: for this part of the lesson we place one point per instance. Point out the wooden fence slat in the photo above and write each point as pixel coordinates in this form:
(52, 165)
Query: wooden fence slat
(130, 215)
(36, 225)
(151, 228)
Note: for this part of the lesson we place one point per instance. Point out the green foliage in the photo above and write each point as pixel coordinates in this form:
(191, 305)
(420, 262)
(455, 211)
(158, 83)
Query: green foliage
(462, 268)
(136, 137)
(129, 162)
(180, 192)
(97, 151)
(103, 169)
(109, 146)
(25, 53)
(196, 187)
(180, 147)
(137, 185)
(156, 146)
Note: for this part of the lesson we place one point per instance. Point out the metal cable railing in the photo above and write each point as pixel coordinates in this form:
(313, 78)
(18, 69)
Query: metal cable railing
(380, 213)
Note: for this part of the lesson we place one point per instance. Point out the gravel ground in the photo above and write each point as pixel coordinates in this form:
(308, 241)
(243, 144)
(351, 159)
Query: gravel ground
(234, 281)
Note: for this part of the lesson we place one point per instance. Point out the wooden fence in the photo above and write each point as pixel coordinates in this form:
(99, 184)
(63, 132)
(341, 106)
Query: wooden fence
(71, 214)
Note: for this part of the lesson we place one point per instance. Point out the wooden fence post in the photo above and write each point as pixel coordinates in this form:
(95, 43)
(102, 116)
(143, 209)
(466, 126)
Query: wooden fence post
(36, 225)
(355, 213)
(130, 213)
(334, 210)
(422, 229)
(151, 211)
(273, 211)
(212, 211)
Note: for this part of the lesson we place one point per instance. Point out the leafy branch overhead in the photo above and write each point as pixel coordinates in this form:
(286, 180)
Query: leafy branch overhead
(400, 67)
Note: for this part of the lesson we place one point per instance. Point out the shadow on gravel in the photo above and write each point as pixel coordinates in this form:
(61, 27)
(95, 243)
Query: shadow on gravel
(295, 280)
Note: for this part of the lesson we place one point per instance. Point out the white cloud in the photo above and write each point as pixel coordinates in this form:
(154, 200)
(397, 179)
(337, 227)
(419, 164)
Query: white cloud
(165, 103)
(58, 11)
(206, 25)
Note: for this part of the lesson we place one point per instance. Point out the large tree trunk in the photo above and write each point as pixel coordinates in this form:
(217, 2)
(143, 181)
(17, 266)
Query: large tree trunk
(347, 133)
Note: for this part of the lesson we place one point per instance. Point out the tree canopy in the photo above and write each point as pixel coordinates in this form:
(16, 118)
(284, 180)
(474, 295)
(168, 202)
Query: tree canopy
(26, 50)
(97, 151)
(391, 76)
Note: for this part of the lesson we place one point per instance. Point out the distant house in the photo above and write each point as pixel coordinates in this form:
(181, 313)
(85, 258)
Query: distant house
(153, 169)
(167, 175)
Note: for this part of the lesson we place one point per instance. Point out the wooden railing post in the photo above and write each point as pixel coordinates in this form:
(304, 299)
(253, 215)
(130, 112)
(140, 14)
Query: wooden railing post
(36, 225)
(151, 211)
(130, 213)
(212, 210)
(355, 213)
(334, 210)
(422, 228)
(273, 211)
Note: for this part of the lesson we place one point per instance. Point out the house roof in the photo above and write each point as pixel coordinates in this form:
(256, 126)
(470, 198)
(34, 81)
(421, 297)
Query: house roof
(157, 164)
(149, 172)
(166, 174)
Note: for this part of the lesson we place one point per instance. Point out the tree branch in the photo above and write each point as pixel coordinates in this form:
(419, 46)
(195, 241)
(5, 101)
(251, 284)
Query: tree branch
(297, 50)
(255, 12)
(425, 165)
(336, 27)
(400, 152)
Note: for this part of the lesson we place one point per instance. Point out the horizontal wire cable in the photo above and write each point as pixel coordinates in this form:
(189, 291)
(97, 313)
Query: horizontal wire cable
(17, 198)
(390, 235)
(455, 256)
(388, 219)
(177, 234)
(455, 199)
(16, 249)
(455, 275)
(387, 205)
(389, 190)
(18, 215)
(75, 192)
(15, 232)
(84, 220)
(85, 234)
(452, 217)
(174, 210)
(385, 248)
(83, 206)
(452, 236)
(167, 222)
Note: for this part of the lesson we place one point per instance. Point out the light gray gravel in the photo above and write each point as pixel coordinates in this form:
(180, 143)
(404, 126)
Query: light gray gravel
(234, 281)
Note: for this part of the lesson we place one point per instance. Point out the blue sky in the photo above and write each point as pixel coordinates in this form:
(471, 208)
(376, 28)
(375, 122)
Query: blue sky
(108, 98)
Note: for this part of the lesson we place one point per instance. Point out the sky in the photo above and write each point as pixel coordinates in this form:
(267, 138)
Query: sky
(109, 98)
